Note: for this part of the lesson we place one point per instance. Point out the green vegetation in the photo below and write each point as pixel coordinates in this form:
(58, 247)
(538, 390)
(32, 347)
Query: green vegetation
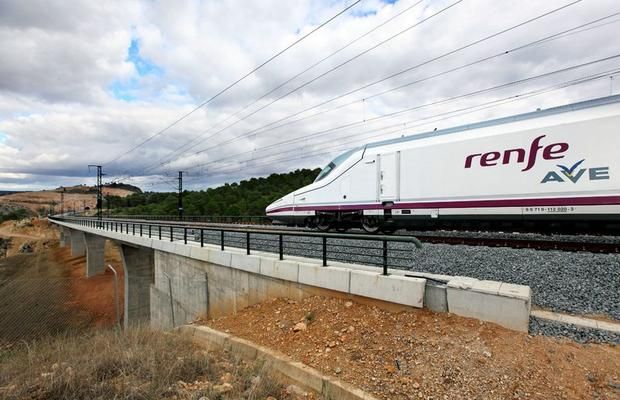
(249, 197)
(13, 214)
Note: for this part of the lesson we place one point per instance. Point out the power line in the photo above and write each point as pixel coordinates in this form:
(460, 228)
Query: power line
(317, 63)
(539, 41)
(230, 86)
(338, 66)
(409, 109)
(321, 151)
(408, 69)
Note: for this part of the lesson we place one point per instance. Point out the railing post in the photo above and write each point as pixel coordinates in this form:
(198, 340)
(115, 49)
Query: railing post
(149, 231)
(385, 257)
(247, 243)
(140, 229)
(281, 246)
(202, 237)
(185, 235)
(171, 233)
(222, 238)
(159, 232)
(325, 251)
(133, 228)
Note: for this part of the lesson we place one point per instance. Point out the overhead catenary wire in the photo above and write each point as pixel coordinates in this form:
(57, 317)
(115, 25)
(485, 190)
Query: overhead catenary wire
(321, 152)
(336, 67)
(444, 55)
(233, 84)
(437, 102)
(297, 75)
(503, 53)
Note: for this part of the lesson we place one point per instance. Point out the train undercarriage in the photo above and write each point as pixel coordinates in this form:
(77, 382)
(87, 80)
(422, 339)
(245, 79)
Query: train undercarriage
(387, 224)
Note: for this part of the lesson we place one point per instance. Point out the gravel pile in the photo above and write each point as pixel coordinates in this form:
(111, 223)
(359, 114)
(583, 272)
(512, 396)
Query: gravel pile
(581, 335)
(519, 235)
(581, 283)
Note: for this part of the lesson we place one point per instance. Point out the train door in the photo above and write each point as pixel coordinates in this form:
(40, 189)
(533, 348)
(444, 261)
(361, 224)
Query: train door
(389, 176)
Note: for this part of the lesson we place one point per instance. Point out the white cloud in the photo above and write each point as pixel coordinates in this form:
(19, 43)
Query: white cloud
(70, 94)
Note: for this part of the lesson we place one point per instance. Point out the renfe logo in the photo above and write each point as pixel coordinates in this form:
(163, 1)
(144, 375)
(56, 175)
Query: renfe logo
(552, 151)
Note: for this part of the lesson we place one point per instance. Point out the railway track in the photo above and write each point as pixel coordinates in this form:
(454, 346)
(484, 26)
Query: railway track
(458, 238)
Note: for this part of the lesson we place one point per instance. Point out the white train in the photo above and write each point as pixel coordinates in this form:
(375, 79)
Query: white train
(553, 168)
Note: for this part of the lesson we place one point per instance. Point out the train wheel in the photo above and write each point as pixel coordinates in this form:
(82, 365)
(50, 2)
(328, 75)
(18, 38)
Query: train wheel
(371, 224)
(323, 223)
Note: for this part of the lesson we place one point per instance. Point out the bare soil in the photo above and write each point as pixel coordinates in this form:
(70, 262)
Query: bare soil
(421, 354)
(72, 201)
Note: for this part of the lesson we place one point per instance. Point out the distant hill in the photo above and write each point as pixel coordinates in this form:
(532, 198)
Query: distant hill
(78, 198)
(248, 197)
(113, 189)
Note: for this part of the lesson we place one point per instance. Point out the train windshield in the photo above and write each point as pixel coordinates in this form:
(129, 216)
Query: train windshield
(334, 163)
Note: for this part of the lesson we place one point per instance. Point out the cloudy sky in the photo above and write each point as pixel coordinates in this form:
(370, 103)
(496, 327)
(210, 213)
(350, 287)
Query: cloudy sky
(103, 82)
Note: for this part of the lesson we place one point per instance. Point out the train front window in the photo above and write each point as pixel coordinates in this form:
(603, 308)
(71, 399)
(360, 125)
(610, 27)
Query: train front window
(333, 164)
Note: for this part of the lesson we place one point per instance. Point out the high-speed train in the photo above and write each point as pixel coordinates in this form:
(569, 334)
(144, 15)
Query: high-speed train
(553, 169)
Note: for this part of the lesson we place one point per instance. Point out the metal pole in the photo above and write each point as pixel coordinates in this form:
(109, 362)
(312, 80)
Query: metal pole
(222, 238)
(117, 309)
(385, 256)
(185, 235)
(325, 251)
(281, 246)
(171, 234)
(202, 237)
(247, 243)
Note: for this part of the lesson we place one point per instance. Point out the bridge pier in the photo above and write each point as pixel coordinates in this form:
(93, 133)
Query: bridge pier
(95, 254)
(139, 267)
(78, 247)
(65, 236)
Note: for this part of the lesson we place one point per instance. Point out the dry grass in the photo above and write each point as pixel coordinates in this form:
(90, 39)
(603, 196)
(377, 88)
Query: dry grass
(135, 364)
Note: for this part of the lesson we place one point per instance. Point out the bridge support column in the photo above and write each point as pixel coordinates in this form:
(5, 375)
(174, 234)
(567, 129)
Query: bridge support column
(139, 266)
(95, 254)
(65, 236)
(78, 248)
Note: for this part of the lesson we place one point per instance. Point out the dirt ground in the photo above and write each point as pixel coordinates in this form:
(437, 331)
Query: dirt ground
(51, 266)
(72, 201)
(420, 354)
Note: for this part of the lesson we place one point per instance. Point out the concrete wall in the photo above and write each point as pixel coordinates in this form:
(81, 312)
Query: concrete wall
(208, 280)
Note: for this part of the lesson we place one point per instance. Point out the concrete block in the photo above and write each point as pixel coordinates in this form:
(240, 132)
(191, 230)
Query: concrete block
(243, 348)
(396, 289)
(335, 389)
(168, 247)
(481, 300)
(325, 277)
(222, 258)
(299, 373)
(210, 337)
(199, 253)
(245, 262)
(281, 269)
(436, 296)
(182, 249)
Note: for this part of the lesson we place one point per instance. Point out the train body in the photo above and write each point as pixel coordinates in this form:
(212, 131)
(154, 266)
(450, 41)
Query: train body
(555, 168)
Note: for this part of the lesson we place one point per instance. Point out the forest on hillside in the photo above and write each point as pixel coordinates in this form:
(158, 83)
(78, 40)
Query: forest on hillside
(248, 197)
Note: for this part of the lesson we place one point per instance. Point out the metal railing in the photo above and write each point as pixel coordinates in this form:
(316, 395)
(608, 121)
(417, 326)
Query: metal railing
(376, 250)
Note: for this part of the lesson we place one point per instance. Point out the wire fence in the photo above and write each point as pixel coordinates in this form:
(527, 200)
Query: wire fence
(35, 307)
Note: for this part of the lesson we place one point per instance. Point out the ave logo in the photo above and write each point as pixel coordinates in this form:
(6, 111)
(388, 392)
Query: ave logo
(575, 174)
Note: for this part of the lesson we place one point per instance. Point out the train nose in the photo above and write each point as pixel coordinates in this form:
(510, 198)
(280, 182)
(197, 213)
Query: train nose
(280, 203)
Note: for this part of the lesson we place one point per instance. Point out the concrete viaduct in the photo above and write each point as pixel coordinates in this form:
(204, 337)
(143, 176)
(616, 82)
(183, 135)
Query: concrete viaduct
(170, 283)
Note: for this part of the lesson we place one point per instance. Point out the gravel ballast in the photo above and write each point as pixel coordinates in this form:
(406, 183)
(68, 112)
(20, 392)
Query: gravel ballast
(579, 334)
